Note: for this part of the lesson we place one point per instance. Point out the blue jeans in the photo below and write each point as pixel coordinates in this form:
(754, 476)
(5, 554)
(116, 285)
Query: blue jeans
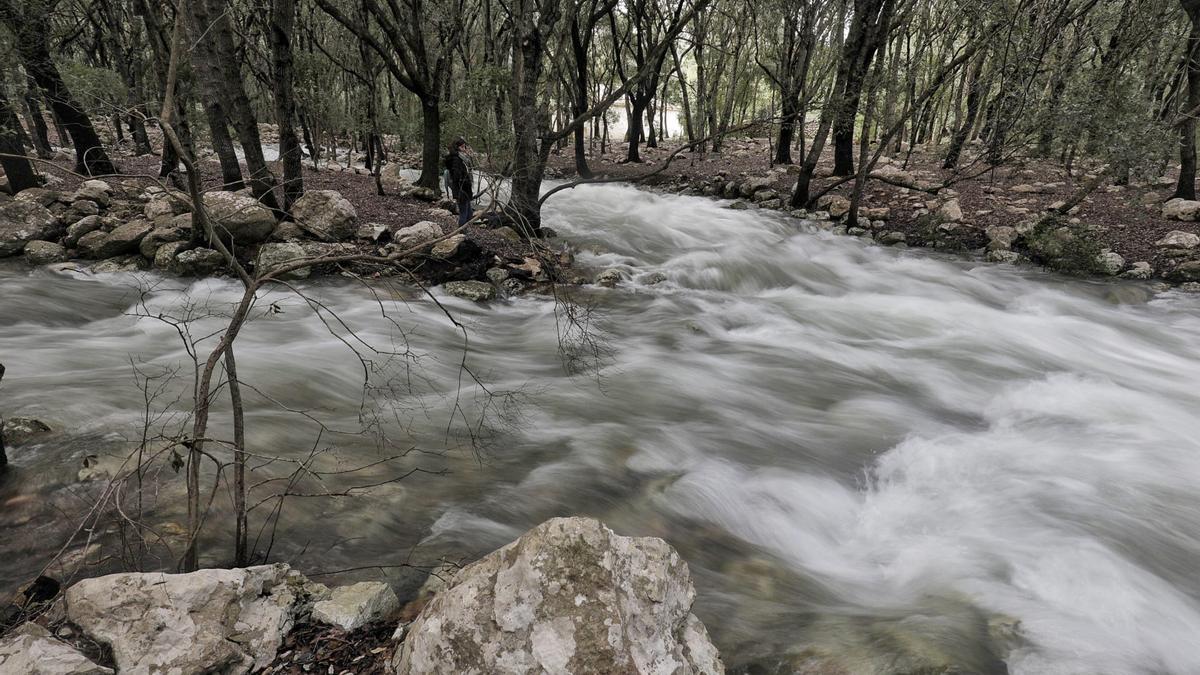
(465, 210)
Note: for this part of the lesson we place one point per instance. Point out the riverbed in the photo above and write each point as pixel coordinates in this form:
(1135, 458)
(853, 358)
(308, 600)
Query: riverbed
(883, 456)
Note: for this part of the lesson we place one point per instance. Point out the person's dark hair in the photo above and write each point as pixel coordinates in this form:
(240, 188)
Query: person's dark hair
(457, 144)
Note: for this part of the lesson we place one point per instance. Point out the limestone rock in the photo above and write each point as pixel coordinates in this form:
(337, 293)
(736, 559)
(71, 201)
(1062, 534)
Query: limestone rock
(449, 247)
(123, 239)
(415, 235)
(609, 278)
(497, 275)
(1178, 239)
(1110, 263)
(159, 236)
(1140, 270)
(950, 212)
(195, 262)
(164, 257)
(354, 606)
(94, 191)
(76, 230)
(1001, 237)
(44, 252)
(836, 205)
(567, 597)
(274, 255)
(892, 238)
(121, 263)
(477, 291)
(1181, 209)
(161, 210)
(37, 195)
(32, 650)
(372, 231)
(752, 185)
(879, 213)
(1003, 256)
(22, 221)
(242, 217)
(326, 215)
(1186, 271)
(222, 621)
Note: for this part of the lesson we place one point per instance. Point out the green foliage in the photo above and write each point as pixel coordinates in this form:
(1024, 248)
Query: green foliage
(99, 90)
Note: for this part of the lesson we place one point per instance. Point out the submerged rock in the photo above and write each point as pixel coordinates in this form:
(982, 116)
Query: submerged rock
(354, 606)
(609, 278)
(567, 597)
(225, 621)
(32, 650)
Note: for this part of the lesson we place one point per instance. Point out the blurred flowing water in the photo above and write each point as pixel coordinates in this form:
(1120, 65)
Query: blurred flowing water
(890, 457)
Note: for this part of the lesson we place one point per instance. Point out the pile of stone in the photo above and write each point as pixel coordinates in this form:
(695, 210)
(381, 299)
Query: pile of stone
(567, 597)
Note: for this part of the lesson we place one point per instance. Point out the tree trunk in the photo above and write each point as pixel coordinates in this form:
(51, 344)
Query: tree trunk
(39, 134)
(283, 14)
(431, 142)
(1186, 188)
(636, 114)
(17, 168)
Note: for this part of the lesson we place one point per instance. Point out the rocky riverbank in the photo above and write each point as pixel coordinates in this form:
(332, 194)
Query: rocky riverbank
(122, 225)
(569, 596)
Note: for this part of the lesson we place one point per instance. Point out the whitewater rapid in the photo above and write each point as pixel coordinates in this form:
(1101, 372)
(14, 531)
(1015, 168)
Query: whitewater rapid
(894, 456)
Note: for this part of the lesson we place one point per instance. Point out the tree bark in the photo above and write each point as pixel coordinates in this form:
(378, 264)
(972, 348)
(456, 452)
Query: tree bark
(1186, 187)
(283, 14)
(17, 167)
(39, 133)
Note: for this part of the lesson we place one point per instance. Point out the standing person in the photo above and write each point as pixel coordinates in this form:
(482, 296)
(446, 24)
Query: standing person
(458, 168)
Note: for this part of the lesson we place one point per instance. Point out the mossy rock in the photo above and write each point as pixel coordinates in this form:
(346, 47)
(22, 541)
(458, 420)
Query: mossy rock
(1062, 247)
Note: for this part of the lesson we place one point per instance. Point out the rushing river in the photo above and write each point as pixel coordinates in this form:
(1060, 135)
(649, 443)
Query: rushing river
(891, 456)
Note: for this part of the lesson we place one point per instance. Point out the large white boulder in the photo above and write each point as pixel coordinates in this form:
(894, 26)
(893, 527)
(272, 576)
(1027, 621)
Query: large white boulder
(32, 650)
(242, 217)
(226, 621)
(326, 215)
(567, 597)
(23, 221)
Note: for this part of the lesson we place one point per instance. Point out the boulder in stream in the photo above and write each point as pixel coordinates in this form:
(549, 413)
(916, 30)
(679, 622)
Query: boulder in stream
(567, 597)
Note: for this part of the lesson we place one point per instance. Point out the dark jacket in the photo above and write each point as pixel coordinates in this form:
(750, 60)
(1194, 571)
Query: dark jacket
(460, 176)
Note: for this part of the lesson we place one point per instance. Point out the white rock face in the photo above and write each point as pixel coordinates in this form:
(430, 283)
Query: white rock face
(567, 597)
(326, 215)
(247, 221)
(224, 621)
(356, 605)
(31, 650)
(1178, 239)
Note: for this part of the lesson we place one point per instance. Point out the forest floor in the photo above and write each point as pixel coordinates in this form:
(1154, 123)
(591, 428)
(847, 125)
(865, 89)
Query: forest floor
(1126, 219)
